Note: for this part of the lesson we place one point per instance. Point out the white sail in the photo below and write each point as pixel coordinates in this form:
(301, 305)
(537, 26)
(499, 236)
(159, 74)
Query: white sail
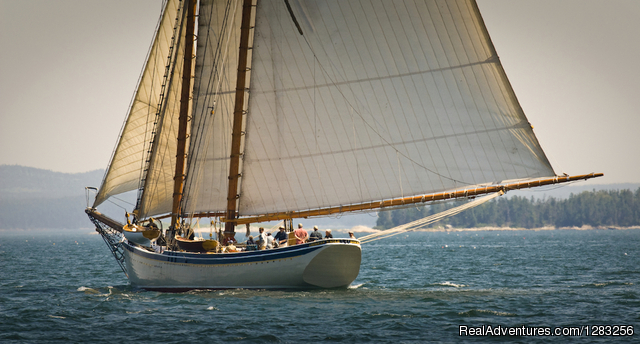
(376, 100)
(213, 103)
(157, 195)
(127, 163)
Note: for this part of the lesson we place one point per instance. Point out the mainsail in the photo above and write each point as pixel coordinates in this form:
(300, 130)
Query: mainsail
(348, 102)
(377, 100)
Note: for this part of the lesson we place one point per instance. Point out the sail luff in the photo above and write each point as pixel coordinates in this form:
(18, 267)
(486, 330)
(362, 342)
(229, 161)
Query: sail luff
(163, 103)
(238, 113)
(463, 193)
(184, 111)
(157, 195)
(126, 164)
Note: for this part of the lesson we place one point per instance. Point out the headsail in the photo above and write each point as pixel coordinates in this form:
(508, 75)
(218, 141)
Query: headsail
(128, 163)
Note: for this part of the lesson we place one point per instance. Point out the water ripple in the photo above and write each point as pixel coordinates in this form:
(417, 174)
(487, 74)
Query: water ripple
(410, 289)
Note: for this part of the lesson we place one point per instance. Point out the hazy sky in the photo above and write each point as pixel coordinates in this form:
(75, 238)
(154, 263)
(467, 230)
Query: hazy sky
(69, 69)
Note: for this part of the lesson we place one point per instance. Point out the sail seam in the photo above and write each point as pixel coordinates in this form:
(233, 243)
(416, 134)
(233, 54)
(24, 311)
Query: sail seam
(492, 59)
(522, 124)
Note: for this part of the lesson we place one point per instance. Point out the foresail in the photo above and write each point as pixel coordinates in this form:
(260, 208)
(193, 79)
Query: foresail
(128, 162)
(157, 196)
(377, 100)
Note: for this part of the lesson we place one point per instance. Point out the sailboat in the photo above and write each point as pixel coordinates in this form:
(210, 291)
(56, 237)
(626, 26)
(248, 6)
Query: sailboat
(251, 111)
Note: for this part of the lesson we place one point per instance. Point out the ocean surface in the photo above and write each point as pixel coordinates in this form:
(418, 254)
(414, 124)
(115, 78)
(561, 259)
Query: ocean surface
(65, 287)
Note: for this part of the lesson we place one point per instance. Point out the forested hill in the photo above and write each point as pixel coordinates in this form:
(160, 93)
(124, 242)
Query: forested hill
(32, 198)
(603, 208)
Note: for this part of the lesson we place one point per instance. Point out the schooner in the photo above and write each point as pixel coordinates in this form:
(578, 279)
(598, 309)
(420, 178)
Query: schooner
(250, 111)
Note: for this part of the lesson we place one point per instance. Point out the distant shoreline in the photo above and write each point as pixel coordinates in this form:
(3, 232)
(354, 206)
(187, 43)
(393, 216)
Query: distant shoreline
(480, 229)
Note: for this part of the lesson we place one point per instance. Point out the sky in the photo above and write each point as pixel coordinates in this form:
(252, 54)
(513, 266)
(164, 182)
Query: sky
(70, 68)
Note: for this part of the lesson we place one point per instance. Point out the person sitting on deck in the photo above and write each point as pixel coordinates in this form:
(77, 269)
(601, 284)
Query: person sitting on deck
(229, 240)
(315, 235)
(251, 244)
(327, 234)
(301, 235)
(281, 236)
(351, 235)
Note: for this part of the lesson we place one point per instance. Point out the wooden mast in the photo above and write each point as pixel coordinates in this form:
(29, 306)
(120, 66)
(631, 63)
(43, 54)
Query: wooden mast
(178, 177)
(470, 192)
(238, 112)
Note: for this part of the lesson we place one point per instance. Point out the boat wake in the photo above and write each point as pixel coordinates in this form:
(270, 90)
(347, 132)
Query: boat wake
(87, 290)
(479, 312)
(448, 284)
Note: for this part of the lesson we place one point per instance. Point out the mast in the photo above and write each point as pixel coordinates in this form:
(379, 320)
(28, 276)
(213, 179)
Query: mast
(178, 178)
(238, 112)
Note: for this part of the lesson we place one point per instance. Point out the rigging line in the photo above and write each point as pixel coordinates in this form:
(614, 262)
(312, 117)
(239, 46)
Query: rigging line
(203, 118)
(399, 38)
(355, 146)
(420, 223)
(449, 58)
(118, 205)
(157, 161)
(216, 77)
(121, 200)
(518, 125)
(399, 175)
(490, 60)
(222, 77)
(390, 42)
(391, 145)
(323, 195)
(152, 192)
(475, 80)
(167, 79)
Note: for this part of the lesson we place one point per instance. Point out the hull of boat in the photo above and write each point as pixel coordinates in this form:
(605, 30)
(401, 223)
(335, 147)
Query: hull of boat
(324, 264)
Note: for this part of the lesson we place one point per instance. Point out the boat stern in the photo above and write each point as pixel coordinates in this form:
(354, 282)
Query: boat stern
(336, 266)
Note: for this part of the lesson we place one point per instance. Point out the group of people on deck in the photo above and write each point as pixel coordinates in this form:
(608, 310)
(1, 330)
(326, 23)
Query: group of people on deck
(302, 236)
(266, 241)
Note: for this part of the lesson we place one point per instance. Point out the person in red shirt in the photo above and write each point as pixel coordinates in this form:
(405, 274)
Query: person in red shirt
(301, 235)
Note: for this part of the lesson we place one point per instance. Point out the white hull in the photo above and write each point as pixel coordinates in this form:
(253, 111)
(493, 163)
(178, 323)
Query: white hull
(333, 263)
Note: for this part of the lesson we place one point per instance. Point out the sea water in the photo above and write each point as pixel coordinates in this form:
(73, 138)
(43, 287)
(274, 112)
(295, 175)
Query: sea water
(65, 287)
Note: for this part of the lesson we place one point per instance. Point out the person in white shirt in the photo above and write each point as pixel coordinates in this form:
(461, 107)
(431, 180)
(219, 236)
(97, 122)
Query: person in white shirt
(261, 239)
(269, 241)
